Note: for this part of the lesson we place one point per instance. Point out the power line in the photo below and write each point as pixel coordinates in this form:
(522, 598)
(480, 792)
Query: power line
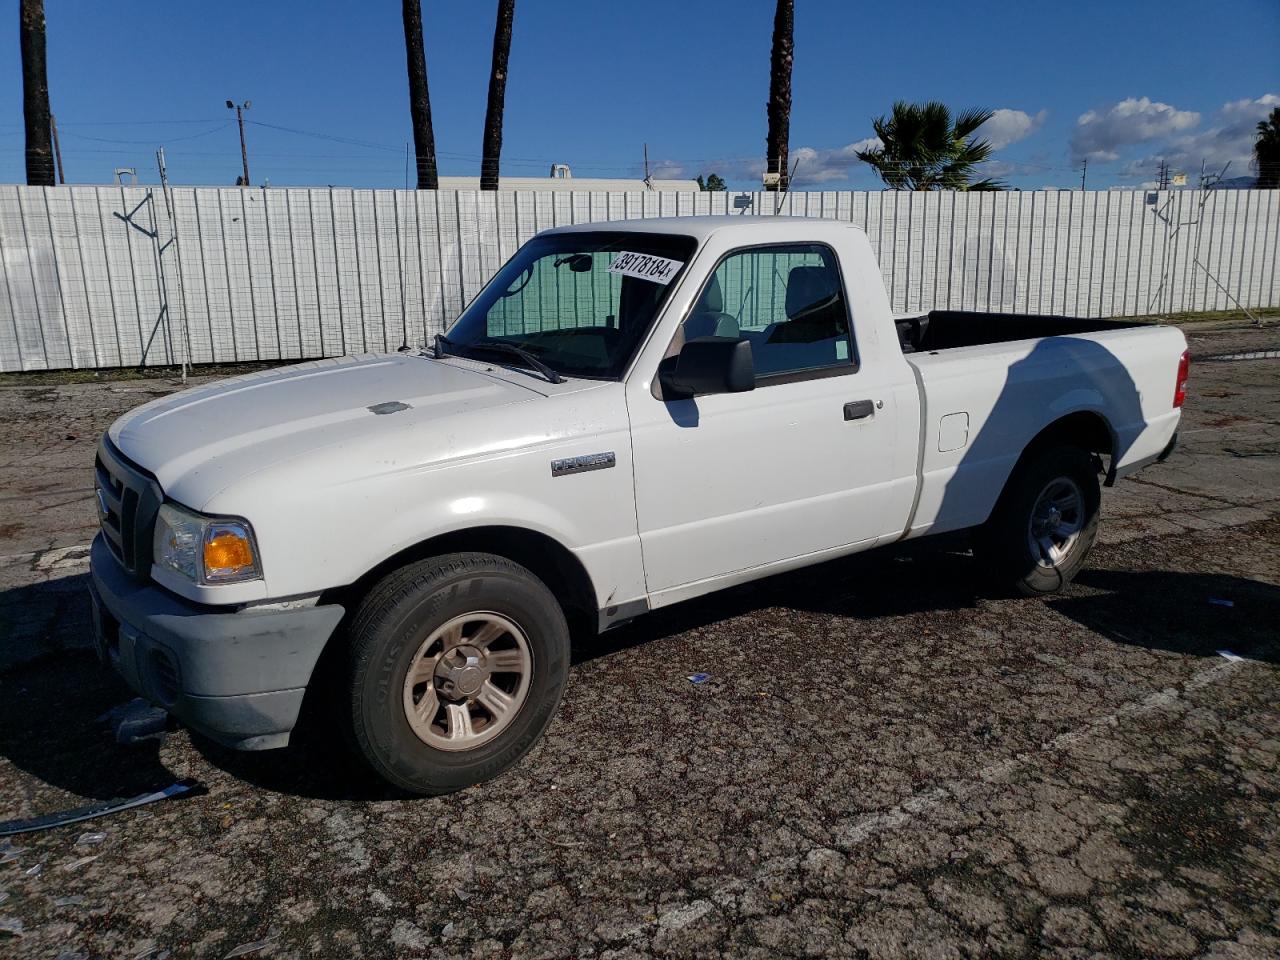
(151, 142)
(327, 136)
(1000, 164)
(698, 162)
(117, 123)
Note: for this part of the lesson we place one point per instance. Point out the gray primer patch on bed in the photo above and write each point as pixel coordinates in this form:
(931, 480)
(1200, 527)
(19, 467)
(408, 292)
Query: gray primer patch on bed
(390, 406)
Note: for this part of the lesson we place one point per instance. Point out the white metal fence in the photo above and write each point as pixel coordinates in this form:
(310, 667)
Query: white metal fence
(125, 276)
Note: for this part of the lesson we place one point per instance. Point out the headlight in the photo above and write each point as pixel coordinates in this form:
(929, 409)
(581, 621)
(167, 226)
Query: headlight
(205, 549)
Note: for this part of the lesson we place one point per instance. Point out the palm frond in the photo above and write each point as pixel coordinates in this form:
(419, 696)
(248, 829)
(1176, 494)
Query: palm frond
(970, 120)
(923, 149)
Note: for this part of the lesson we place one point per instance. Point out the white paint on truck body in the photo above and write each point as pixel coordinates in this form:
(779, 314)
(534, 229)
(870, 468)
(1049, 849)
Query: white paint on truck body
(724, 489)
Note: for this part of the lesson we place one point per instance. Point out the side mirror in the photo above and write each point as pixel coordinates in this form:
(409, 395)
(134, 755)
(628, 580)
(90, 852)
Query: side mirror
(710, 365)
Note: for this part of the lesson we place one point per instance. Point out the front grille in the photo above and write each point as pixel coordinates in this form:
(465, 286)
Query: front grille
(128, 499)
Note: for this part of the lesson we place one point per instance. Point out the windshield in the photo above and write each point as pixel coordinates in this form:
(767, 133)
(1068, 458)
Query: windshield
(577, 303)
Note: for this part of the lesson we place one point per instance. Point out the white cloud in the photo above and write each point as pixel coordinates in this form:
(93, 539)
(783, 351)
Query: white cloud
(665, 170)
(740, 168)
(1249, 111)
(1003, 169)
(1228, 139)
(1100, 135)
(1008, 126)
(822, 166)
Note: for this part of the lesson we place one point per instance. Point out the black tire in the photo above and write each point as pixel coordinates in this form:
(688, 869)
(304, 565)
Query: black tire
(1005, 542)
(398, 615)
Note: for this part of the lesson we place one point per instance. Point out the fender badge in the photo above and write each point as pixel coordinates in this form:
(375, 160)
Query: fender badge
(584, 463)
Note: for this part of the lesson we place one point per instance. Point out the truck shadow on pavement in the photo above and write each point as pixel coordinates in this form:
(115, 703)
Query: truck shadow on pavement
(49, 706)
(1184, 613)
(51, 728)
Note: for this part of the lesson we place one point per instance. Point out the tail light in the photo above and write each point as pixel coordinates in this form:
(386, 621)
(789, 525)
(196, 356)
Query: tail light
(1184, 372)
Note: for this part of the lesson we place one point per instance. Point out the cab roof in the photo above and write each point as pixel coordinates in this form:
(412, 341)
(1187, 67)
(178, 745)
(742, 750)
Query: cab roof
(700, 228)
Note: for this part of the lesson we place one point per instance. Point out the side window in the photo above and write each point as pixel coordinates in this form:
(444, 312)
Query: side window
(786, 300)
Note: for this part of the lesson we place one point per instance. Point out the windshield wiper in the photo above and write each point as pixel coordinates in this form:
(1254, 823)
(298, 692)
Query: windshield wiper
(498, 346)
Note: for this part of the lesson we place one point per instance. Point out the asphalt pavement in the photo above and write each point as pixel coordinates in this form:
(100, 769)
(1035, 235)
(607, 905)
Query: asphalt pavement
(886, 759)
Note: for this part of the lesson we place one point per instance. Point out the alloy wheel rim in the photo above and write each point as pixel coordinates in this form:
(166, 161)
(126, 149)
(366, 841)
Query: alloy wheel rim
(1056, 521)
(467, 681)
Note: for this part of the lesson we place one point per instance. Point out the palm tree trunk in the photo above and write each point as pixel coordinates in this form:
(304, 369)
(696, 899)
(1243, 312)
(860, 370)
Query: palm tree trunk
(424, 141)
(497, 95)
(780, 92)
(35, 95)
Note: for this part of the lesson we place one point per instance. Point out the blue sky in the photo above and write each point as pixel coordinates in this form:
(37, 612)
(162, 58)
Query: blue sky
(590, 82)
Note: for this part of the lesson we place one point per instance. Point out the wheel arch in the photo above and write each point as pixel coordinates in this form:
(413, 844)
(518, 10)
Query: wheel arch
(542, 555)
(1086, 429)
(545, 557)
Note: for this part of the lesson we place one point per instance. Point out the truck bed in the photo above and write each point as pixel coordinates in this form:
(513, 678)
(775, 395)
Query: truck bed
(948, 329)
(984, 405)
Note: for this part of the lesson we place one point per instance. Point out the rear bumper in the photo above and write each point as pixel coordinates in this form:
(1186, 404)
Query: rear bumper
(236, 676)
(1131, 468)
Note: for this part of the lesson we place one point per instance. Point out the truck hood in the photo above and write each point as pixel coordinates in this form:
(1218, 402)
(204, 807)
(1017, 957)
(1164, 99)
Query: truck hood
(205, 438)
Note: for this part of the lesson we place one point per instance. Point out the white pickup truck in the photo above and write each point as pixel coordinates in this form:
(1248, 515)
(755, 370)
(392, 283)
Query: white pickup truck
(628, 415)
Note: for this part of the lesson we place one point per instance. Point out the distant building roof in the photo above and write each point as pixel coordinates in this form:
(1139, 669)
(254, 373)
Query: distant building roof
(569, 184)
(562, 178)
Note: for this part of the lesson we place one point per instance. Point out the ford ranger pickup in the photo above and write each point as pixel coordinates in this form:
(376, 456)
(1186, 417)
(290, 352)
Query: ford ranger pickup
(626, 416)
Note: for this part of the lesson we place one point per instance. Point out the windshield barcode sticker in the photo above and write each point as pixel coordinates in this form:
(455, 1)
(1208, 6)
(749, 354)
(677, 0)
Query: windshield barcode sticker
(645, 267)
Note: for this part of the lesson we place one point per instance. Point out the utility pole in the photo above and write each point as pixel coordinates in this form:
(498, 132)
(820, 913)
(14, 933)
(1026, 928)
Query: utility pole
(1084, 169)
(647, 182)
(240, 108)
(57, 150)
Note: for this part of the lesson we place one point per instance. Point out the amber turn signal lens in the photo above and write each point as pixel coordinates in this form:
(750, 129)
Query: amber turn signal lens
(227, 551)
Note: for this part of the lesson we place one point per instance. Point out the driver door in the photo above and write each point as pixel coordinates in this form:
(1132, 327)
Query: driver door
(728, 485)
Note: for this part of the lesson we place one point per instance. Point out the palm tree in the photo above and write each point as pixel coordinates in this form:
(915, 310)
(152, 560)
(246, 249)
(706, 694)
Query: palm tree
(424, 141)
(1266, 152)
(497, 95)
(779, 107)
(35, 95)
(921, 149)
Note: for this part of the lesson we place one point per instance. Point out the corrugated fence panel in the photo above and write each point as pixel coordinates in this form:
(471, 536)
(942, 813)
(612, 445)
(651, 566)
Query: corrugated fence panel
(123, 276)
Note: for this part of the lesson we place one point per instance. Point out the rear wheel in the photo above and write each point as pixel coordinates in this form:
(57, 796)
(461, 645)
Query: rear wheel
(458, 664)
(1044, 526)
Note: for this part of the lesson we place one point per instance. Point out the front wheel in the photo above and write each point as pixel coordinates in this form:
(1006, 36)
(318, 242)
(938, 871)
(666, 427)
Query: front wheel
(457, 667)
(1044, 526)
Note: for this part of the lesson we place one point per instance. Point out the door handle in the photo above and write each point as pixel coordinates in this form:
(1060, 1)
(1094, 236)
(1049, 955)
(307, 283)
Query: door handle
(858, 409)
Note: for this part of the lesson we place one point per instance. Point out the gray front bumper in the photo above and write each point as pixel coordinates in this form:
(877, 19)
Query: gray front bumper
(236, 676)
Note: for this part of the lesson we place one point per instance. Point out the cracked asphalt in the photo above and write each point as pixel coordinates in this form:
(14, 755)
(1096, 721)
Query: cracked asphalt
(887, 760)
